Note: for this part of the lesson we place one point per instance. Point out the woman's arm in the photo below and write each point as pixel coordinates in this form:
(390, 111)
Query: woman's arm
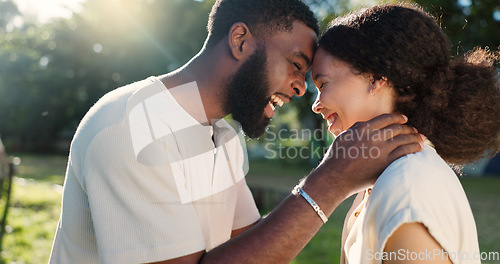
(412, 243)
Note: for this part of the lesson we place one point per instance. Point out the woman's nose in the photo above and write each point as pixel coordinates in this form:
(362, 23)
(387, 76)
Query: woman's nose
(317, 107)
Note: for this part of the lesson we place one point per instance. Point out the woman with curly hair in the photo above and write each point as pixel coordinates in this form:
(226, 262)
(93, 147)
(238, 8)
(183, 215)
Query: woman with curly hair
(396, 58)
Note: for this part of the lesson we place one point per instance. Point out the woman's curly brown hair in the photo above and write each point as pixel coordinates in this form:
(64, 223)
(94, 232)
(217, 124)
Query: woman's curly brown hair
(454, 103)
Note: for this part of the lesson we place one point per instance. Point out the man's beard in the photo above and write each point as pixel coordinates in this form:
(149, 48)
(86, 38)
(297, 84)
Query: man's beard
(247, 94)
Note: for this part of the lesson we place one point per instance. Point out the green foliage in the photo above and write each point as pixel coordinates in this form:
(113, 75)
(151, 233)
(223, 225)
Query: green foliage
(52, 73)
(8, 10)
(468, 23)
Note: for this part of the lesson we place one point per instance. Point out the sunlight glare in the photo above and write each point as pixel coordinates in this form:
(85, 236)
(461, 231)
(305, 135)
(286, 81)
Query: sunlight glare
(45, 10)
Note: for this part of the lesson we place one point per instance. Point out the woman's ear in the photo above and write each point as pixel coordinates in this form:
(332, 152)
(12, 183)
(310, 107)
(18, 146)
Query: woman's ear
(240, 41)
(377, 84)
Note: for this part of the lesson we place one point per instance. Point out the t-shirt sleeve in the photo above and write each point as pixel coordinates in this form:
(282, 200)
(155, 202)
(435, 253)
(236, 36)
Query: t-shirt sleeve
(136, 209)
(246, 212)
(414, 190)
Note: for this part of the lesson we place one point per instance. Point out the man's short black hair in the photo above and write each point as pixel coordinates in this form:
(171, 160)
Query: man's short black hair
(263, 17)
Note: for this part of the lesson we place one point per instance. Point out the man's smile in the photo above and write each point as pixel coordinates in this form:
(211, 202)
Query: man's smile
(277, 99)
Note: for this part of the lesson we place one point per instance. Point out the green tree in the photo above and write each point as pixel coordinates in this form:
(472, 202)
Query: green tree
(51, 74)
(468, 23)
(8, 11)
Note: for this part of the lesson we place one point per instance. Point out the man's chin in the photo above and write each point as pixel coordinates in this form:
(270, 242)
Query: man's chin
(255, 129)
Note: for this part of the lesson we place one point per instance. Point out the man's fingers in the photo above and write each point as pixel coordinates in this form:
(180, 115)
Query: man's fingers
(405, 144)
(386, 120)
(395, 130)
(404, 150)
(405, 139)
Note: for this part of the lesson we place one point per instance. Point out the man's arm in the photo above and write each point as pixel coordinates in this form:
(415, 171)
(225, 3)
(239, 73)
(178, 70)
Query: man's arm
(280, 236)
(194, 258)
(240, 231)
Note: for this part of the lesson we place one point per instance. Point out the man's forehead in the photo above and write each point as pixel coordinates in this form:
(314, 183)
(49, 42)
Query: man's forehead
(299, 42)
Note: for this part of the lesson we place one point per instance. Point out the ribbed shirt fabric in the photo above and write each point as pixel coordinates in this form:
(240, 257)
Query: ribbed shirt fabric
(146, 182)
(420, 188)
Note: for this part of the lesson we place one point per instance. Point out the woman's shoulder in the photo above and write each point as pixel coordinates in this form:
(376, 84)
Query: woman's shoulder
(421, 168)
(421, 188)
(417, 183)
(420, 184)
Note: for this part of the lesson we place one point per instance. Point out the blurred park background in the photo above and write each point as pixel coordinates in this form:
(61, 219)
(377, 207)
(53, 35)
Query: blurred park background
(57, 58)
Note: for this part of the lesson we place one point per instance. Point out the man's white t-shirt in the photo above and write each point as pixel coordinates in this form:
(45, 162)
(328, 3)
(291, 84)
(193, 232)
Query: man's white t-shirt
(420, 188)
(146, 182)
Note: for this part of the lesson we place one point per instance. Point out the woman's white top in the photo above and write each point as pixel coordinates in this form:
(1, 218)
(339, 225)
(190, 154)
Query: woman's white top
(419, 188)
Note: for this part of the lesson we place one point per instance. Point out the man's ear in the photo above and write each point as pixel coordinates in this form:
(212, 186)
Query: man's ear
(241, 41)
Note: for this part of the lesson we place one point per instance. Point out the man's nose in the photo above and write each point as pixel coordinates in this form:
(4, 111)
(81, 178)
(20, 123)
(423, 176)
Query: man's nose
(299, 86)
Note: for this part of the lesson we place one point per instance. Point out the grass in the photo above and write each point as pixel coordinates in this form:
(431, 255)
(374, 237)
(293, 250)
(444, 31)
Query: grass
(484, 198)
(35, 209)
(43, 168)
(31, 223)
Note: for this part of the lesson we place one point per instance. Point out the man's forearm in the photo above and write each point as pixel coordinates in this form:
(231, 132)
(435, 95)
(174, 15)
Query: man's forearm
(281, 236)
(284, 232)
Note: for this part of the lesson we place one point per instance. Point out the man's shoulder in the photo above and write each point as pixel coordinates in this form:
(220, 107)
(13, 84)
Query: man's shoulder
(110, 110)
(111, 107)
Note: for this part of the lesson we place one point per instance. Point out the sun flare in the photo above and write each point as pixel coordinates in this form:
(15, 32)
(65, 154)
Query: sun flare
(45, 10)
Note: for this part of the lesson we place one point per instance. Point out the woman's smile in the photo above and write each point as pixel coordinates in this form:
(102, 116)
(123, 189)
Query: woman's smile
(345, 96)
